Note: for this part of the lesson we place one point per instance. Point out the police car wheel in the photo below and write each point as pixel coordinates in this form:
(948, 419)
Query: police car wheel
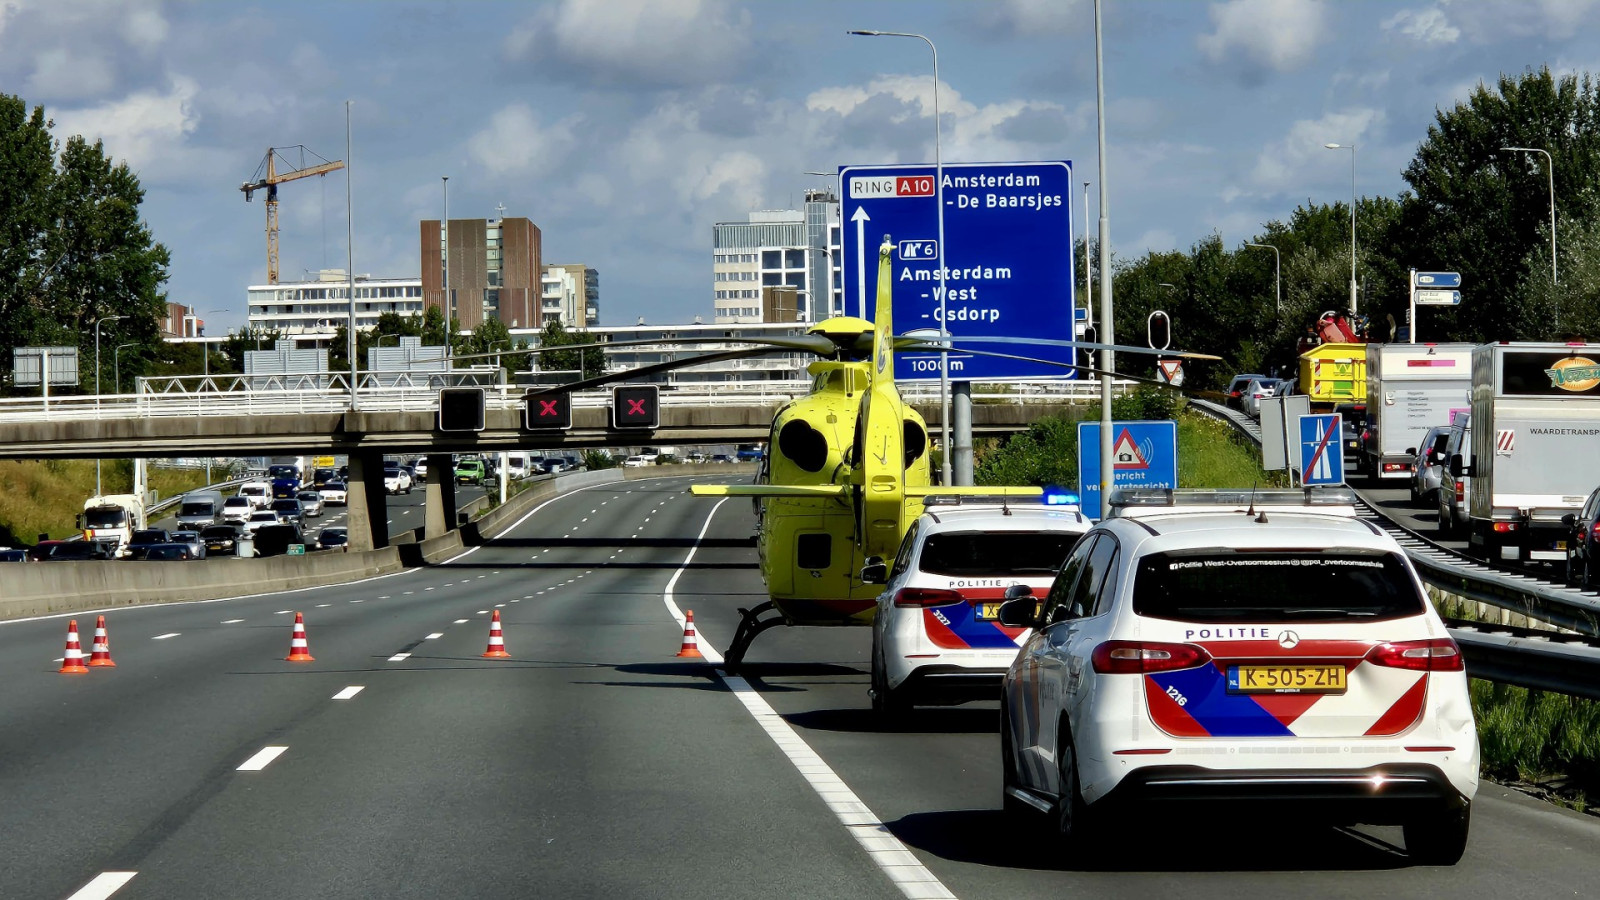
(1438, 839)
(1072, 814)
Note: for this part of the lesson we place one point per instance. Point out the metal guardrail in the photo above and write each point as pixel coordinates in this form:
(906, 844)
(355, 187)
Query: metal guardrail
(1546, 660)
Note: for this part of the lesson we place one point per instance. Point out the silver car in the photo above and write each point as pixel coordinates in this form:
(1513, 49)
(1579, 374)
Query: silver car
(310, 503)
(1250, 397)
(192, 540)
(1427, 465)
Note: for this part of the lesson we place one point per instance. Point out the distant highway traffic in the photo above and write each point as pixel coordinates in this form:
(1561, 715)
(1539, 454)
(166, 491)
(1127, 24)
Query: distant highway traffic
(593, 762)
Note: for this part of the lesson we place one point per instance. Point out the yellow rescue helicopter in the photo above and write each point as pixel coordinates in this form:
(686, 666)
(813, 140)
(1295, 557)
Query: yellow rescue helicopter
(847, 466)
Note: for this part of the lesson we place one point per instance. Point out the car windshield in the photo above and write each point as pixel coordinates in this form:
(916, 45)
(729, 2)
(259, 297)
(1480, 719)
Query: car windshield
(282, 471)
(265, 515)
(970, 553)
(1224, 585)
(201, 508)
(149, 537)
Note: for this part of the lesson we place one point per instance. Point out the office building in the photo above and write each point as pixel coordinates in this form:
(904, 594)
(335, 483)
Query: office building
(314, 308)
(794, 248)
(493, 267)
(570, 292)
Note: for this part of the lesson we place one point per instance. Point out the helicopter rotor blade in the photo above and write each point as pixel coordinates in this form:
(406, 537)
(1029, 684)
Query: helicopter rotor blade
(654, 369)
(1192, 392)
(956, 340)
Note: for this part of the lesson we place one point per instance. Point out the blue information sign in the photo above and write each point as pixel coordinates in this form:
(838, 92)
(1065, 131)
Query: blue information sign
(1321, 450)
(1144, 454)
(1438, 279)
(1008, 259)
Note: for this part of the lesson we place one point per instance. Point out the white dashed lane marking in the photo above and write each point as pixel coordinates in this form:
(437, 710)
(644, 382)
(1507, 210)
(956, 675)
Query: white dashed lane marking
(231, 621)
(349, 692)
(462, 621)
(170, 634)
(103, 885)
(435, 636)
(262, 759)
(399, 657)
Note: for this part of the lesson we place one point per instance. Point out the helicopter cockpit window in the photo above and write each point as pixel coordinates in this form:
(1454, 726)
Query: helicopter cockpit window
(803, 445)
(916, 441)
(813, 551)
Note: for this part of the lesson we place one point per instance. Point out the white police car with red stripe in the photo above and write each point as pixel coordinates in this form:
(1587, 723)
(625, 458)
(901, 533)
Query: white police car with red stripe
(936, 637)
(1267, 653)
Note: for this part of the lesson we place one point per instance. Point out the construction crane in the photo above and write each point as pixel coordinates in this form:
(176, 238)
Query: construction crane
(275, 169)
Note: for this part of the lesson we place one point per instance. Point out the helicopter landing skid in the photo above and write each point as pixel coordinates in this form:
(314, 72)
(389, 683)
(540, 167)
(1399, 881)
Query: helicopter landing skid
(750, 625)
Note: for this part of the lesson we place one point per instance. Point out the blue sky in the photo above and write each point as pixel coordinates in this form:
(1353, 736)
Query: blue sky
(625, 128)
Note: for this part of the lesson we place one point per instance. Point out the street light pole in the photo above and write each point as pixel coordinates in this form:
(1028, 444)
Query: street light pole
(44, 378)
(944, 327)
(1088, 265)
(116, 363)
(1107, 333)
(350, 260)
(1352, 149)
(1550, 169)
(444, 278)
(1277, 271)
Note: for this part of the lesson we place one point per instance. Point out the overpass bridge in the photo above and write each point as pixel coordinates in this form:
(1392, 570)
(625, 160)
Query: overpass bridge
(396, 413)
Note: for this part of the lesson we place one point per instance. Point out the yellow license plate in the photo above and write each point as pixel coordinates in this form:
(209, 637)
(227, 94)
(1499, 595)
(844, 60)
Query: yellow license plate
(1286, 679)
(1561, 545)
(989, 612)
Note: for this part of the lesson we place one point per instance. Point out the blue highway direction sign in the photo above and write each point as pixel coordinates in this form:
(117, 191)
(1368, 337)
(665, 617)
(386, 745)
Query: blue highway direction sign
(1008, 259)
(1321, 450)
(1144, 454)
(1438, 280)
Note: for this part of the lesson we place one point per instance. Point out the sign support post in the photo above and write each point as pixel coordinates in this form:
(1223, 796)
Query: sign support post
(1431, 289)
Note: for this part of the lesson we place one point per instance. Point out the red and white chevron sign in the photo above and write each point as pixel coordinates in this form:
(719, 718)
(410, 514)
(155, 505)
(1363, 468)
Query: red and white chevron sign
(1505, 441)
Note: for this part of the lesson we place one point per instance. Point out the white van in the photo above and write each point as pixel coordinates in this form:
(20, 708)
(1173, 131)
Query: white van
(259, 492)
(517, 465)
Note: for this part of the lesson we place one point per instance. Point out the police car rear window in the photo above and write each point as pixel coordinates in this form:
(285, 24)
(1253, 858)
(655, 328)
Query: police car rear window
(1222, 585)
(995, 552)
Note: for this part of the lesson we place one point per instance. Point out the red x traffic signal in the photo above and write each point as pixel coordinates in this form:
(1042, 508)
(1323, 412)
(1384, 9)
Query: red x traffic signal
(543, 412)
(635, 406)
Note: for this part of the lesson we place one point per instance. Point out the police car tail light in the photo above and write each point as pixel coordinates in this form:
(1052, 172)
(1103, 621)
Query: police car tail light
(916, 598)
(1142, 657)
(1435, 655)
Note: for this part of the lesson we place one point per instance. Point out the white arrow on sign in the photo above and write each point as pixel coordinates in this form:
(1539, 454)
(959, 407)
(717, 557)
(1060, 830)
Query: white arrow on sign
(860, 218)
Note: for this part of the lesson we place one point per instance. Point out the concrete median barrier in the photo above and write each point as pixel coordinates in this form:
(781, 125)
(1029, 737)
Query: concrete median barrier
(33, 589)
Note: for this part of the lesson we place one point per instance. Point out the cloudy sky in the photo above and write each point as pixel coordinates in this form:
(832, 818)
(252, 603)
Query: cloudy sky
(625, 128)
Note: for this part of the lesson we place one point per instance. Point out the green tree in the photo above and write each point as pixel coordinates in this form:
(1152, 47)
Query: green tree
(555, 334)
(27, 170)
(248, 338)
(1479, 210)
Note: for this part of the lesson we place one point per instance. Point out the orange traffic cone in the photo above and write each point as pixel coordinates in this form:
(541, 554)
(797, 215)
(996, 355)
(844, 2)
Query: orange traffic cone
(299, 650)
(72, 661)
(101, 655)
(691, 644)
(497, 641)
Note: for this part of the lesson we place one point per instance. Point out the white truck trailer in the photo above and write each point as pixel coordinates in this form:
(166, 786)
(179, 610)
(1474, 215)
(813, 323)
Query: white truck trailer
(1410, 388)
(1535, 446)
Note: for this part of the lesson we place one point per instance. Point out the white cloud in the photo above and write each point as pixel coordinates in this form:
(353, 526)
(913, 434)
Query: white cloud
(516, 141)
(1031, 18)
(148, 129)
(59, 73)
(1300, 157)
(1429, 26)
(1280, 35)
(1492, 21)
(635, 42)
(145, 28)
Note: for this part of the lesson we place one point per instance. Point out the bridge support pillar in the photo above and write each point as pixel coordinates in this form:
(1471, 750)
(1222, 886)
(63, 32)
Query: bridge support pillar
(961, 432)
(368, 502)
(439, 514)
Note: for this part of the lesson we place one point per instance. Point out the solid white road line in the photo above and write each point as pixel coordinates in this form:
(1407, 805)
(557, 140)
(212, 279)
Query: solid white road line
(349, 692)
(170, 634)
(913, 879)
(399, 657)
(262, 759)
(435, 636)
(231, 621)
(103, 885)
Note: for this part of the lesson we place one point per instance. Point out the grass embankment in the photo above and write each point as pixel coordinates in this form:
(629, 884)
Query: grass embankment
(46, 497)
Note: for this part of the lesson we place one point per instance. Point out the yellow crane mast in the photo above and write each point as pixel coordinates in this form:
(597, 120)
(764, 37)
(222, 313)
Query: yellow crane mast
(275, 169)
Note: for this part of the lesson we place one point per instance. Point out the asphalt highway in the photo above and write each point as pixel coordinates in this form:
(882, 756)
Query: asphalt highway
(405, 511)
(593, 763)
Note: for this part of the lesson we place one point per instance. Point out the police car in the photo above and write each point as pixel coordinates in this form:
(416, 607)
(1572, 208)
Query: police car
(936, 639)
(1267, 652)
